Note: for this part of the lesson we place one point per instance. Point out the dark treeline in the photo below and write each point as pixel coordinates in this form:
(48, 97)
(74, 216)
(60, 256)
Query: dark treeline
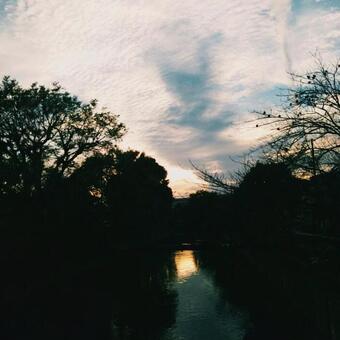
(268, 207)
(76, 212)
(292, 187)
(69, 198)
(271, 230)
(62, 176)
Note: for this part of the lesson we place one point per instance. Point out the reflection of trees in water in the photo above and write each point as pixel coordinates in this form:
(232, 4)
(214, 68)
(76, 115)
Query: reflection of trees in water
(144, 301)
(42, 299)
(284, 300)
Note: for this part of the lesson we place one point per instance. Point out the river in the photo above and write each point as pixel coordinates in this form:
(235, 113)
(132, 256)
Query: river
(172, 295)
(201, 313)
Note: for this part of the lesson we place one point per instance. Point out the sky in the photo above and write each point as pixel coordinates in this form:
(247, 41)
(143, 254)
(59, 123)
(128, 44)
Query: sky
(182, 74)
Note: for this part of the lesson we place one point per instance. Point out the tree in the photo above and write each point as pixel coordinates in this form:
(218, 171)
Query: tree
(207, 215)
(323, 204)
(47, 130)
(306, 128)
(217, 182)
(137, 196)
(267, 200)
(95, 172)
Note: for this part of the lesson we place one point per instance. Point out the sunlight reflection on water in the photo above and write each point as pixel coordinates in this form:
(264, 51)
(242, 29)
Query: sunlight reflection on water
(201, 313)
(186, 265)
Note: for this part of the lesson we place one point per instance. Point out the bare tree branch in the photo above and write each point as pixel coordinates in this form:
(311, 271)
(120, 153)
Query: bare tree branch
(305, 130)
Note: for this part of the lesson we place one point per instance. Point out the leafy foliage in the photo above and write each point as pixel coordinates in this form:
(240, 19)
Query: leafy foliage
(46, 130)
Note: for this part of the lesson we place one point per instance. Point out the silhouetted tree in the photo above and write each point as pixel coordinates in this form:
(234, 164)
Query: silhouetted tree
(46, 130)
(267, 200)
(95, 172)
(214, 181)
(207, 215)
(138, 196)
(323, 202)
(306, 129)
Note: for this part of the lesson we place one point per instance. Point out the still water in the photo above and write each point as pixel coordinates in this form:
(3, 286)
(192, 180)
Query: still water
(173, 296)
(170, 295)
(215, 295)
(201, 313)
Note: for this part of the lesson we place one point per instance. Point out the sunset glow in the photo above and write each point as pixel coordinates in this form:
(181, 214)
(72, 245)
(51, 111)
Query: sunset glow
(179, 73)
(185, 264)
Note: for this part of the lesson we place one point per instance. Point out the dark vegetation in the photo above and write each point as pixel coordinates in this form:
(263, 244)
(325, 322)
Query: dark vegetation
(294, 185)
(62, 172)
(268, 207)
(73, 205)
(69, 199)
(271, 231)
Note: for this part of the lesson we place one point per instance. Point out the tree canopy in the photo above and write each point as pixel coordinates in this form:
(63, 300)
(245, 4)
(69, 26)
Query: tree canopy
(47, 130)
(138, 196)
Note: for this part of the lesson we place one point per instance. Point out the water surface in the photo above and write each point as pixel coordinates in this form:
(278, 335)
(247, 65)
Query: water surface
(170, 295)
(201, 312)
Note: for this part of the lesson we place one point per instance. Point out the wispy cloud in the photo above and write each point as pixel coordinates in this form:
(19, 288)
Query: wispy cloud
(194, 90)
(178, 72)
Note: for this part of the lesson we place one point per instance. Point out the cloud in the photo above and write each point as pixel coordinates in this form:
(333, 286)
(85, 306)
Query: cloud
(180, 73)
(282, 13)
(316, 31)
(194, 90)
